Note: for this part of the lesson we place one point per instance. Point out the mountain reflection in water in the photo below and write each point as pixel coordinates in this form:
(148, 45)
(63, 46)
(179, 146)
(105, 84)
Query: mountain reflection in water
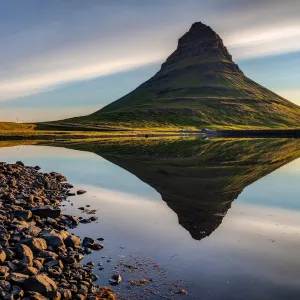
(198, 179)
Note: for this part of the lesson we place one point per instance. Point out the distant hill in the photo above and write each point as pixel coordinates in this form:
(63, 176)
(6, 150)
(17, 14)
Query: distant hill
(11, 126)
(198, 85)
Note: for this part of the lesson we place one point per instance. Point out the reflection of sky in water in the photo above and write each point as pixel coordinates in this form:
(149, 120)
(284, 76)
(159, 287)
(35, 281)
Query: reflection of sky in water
(254, 253)
(79, 167)
(277, 189)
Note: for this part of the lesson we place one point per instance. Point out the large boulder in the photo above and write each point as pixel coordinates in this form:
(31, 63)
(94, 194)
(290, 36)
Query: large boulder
(24, 214)
(46, 211)
(72, 241)
(33, 230)
(18, 278)
(37, 244)
(25, 253)
(40, 283)
(53, 239)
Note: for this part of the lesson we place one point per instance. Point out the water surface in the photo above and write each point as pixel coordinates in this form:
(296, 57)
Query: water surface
(224, 226)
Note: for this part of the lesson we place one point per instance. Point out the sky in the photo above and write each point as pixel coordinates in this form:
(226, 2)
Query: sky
(64, 58)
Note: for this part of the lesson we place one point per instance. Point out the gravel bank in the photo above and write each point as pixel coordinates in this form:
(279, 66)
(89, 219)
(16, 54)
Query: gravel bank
(39, 258)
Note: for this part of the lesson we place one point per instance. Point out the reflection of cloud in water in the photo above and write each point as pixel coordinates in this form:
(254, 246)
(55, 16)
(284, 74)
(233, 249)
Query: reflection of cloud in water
(293, 168)
(144, 215)
(262, 239)
(117, 197)
(46, 152)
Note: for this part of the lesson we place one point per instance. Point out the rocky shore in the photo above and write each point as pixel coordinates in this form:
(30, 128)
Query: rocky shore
(39, 258)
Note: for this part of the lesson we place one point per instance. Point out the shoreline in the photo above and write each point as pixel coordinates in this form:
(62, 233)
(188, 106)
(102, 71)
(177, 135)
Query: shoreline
(263, 133)
(65, 136)
(39, 258)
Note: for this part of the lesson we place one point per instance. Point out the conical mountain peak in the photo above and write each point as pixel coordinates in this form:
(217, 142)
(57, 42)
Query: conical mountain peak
(198, 85)
(202, 43)
(198, 32)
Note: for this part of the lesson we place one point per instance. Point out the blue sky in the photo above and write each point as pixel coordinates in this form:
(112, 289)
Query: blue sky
(64, 58)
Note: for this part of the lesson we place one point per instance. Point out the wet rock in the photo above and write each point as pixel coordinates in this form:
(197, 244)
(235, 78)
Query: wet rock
(25, 253)
(37, 244)
(2, 256)
(12, 266)
(54, 263)
(85, 221)
(115, 279)
(37, 264)
(81, 192)
(65, 293)
(40, 283)
(46, 211)
(30, 271)
(4, 272)
(34, 230)
(87, 242)
(182, 292)
(23, 214)
(47, 254)
(36, 296)
(72, 241)
(9, 254)
(53, 240)
(96, 246)
(53, 295)
(71, 194)
(37, 254)
(5, 286)
(18, 278)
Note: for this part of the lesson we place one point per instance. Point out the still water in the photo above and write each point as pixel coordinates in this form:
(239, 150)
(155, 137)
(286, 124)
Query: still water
(250, 251)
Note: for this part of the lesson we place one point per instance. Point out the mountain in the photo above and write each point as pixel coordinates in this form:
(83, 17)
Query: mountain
(198, 85)
(198, 179)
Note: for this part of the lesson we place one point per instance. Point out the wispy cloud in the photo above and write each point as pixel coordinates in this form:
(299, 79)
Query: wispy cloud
(22, 86)
(63, 42)
(256, 42)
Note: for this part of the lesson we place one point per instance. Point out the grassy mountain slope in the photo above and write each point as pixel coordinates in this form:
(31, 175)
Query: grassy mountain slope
(198, 86)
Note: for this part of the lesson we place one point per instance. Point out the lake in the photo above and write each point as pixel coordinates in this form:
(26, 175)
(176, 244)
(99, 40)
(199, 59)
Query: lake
(217, 218)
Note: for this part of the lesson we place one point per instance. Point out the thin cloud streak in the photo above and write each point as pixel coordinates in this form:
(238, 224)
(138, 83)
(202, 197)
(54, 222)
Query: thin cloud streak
(35, 83)
(98, 40)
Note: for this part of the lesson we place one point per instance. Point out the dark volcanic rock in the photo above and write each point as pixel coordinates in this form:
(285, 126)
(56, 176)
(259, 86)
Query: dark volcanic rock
(46, 211)
(24, 214)
(25, 253)
(37, 244)
(80, 192)
(2, 256)
(37, 254)
(40, 283)
(72, 241)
